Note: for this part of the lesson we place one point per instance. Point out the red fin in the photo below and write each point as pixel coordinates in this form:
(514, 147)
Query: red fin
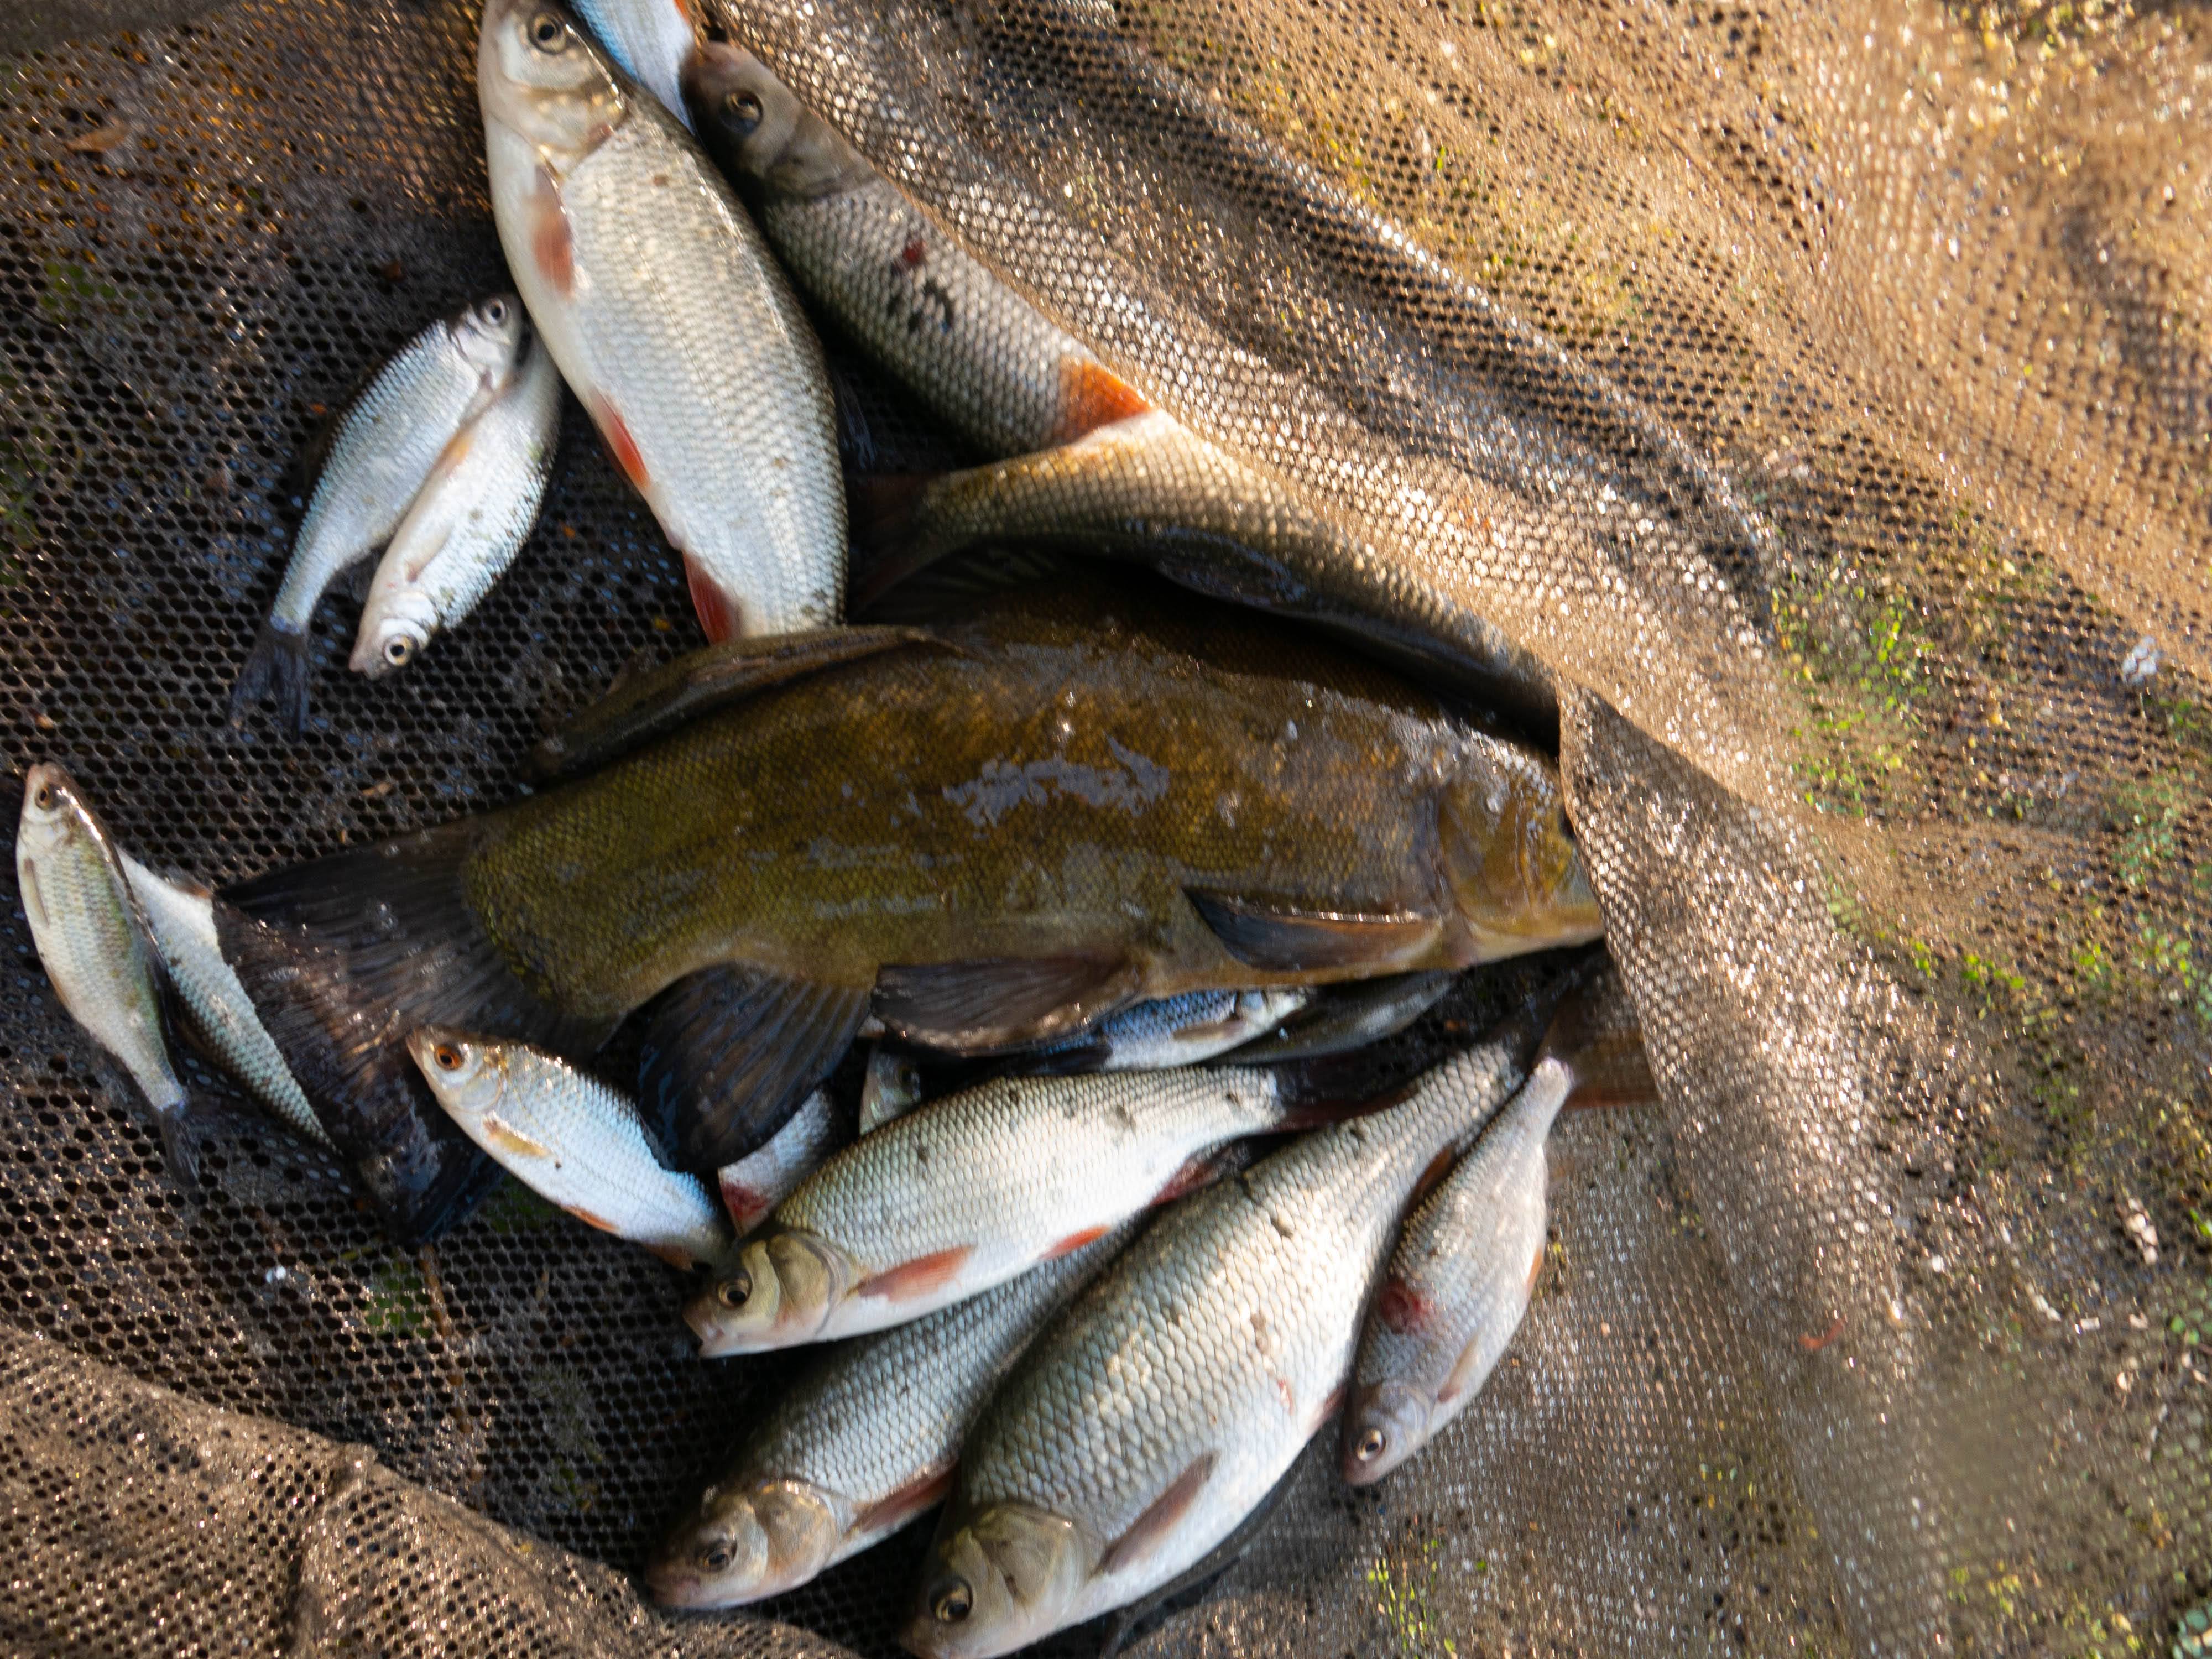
(1149, 1529)
(1202, 1170)
(888, 1514)
(918, 1277)
(747, 1208)
(591, 1220)
(1535, 1267)
(551, 246)
(719, 616)
(621, 445)
(1092, 395)
(1401, 1308)
(1075, 1241)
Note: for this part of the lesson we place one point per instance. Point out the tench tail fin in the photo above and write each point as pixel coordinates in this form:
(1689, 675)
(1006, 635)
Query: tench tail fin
(275, 668)
(344, 957)
(1596, 1035)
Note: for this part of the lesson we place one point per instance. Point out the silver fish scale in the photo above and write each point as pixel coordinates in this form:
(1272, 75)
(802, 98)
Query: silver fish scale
(1465, 1252)
(986, 358)
(694, 333)
(1011, 1166)
(385, 447)
(884, 1410)
(182, 923)
(91, 949)
(1225, 1330)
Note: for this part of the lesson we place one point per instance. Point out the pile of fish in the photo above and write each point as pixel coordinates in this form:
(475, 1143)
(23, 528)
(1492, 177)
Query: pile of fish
(1044, 848)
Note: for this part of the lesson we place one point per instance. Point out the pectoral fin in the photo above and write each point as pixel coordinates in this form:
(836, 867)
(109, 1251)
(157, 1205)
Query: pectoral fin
(1001, 1002)
(731, 1053)
(1149, 1530)
(1282, 939)
(647, 706)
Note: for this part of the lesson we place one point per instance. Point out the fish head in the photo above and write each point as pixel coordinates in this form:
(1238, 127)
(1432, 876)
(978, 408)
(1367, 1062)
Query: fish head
(55, 816)
(60, 840)
(998, 1578)
(489, 334)
(779, 1293)
(541, 76)
(755, 128)
(393, 631)
(467, 1076)
(1387, 1424)
(743, 1541)
(1510, 857)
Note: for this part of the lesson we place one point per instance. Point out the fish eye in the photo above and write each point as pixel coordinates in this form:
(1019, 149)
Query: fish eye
(735, 1290)
(953, 1602)
(496, 310)
(548, 32)
(715, 1558)
(744, 111)
(45, 798)
(446, 1057)
(398, 651)
(1369, 1446)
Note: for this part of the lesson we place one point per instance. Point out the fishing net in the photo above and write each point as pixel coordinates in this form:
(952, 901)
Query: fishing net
(1822, 392)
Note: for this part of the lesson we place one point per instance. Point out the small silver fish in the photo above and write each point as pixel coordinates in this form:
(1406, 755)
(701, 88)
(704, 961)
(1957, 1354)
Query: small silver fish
(670, 319)
(470, 519)
(1457, 1287)
(860, 1447)
(757, 1182)
(573, 1140)
(381, 452)
(91, 941)
(180, 921)
(1183, 1031)
(651, 39)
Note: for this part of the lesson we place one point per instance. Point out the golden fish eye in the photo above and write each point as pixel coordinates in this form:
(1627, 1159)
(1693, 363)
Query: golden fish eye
(548, 32)
(45, 798)
(954, 1602)
(714, 1557)
(447, 1057)
(735, 1290)
(397, 652)
(743, 109)
(1369, 1446)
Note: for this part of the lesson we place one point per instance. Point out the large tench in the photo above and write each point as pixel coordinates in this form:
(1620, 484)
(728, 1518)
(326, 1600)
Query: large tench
(670, 319)
(1146, 1423)
(1073, 800)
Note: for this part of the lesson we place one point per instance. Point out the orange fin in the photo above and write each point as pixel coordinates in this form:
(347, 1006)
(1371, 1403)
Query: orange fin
(719, 615)
(917, 1277)
(497, 1131)
(1535, 1267)
(889, 1513)
(1150, 1530)
(622, 446)
(1075, 1241)
(552, 247)
(747, 1208)
(591, 1220)
(1092, 395)
(1282, 939)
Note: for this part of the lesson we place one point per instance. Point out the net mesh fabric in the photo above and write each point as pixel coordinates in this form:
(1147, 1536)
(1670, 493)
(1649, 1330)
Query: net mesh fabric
(1822, 392)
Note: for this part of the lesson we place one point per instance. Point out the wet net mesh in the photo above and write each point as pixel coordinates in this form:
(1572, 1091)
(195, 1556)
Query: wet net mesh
(1824, 391)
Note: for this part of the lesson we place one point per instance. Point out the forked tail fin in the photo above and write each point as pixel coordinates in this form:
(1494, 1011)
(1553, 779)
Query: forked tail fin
(343, 959)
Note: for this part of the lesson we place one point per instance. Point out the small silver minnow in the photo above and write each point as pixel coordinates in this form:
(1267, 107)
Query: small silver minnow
(865, 1442)
(470, 519)
(93, 945)
(180, 920)
(1182, 1030)
(573, 1140)
(757, 1182)
(1457, 1287)
(382, 449)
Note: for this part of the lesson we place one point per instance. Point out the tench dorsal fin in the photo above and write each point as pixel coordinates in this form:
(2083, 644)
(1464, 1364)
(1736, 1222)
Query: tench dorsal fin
(641, 707)
(1150, 1530)
(1282, 939)
(731, 1053)
(990, 1003)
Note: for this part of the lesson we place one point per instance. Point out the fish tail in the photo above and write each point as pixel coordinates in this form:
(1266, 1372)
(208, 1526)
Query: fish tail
(180, 1147)
(344, 958)
(275, 668)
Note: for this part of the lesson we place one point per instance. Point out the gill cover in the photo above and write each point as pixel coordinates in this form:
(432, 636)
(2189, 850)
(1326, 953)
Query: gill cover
(744, 1543)
(997, 1581)
(1510, 858)
(541, 77)
(779, 1293)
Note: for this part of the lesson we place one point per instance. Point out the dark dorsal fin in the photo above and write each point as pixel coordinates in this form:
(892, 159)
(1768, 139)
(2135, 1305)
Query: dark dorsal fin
(1260, 933)
(643, 706)
(731, 1053)
(1001, 1002)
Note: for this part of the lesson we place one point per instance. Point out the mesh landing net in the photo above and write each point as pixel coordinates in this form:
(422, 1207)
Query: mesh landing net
(1823, 391)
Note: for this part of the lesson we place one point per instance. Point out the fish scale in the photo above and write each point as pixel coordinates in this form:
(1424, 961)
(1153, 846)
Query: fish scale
(1212, 1349)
